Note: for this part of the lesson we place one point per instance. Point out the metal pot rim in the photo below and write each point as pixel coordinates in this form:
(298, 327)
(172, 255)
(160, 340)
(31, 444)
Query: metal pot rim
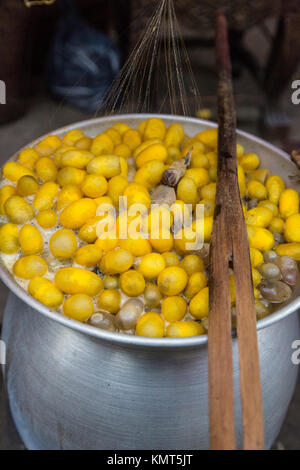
(121, 338)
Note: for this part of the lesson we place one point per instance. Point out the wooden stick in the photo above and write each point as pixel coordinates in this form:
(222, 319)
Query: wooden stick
(230, 242)
(221, 397)
(295, 156)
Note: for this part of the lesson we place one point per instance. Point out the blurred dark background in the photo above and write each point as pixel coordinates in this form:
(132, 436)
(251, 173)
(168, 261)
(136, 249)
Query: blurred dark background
(44, 48)
(41, 46)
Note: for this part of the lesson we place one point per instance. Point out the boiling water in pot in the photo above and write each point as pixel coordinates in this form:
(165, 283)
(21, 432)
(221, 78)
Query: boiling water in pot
(151, 282)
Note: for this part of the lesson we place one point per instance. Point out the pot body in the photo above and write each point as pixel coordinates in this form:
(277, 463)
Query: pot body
(72, 386)
(68, 390)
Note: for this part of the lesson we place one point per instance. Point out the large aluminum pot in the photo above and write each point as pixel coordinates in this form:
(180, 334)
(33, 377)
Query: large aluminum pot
(72, 386)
